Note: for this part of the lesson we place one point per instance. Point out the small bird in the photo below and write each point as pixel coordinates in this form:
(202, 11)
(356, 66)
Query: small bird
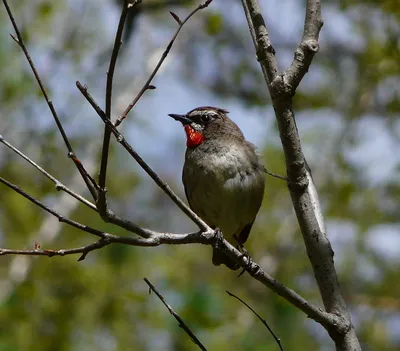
(223, 178)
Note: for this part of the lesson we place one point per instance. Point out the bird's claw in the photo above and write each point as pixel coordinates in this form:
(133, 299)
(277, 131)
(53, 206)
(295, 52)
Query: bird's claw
(245, 253)
(219, 238)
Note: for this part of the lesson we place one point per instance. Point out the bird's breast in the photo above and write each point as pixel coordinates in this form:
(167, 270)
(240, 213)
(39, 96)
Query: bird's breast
(225, 188)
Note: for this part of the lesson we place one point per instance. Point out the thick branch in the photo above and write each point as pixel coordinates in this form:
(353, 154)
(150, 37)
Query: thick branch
(264, 50)
(302, 190)
(308, 46)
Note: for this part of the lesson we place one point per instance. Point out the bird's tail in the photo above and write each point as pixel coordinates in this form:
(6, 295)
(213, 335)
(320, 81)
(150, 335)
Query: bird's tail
(220, 257)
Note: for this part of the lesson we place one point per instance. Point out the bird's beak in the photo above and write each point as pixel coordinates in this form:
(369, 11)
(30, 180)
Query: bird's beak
(180, 118)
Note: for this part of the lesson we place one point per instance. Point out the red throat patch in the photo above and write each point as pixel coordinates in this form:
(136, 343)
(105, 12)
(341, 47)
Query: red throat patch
(194, 138)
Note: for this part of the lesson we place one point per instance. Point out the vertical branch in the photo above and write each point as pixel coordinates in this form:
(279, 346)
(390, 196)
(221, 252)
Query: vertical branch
(282, 86)
(110, 74)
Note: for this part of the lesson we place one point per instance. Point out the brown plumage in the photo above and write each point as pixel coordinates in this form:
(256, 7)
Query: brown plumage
(222, 175)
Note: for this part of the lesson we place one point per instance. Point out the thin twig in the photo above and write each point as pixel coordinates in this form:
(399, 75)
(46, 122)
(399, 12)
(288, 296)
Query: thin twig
(121, 139)
(91, 185)
(156, 239)
(152, 238)
(84, 250)
(176, 316)
(110, 74)
(60, 217)
(263, 321)
(58, 184)
(275, 175)
(160, 62)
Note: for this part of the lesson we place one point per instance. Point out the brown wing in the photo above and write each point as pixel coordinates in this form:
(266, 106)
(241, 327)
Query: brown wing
(244, 234)
(184, 186)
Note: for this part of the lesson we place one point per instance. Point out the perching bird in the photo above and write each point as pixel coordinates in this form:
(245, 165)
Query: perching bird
(222, 175)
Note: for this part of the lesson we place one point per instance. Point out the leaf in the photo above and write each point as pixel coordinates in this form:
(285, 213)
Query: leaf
(213, 24)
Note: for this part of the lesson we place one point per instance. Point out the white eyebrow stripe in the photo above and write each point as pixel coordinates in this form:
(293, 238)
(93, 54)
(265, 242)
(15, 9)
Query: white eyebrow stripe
(203, 112)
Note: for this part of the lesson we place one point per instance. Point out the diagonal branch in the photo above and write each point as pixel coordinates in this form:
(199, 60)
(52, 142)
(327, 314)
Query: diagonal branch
(90, 183)
(182, 324)
(154, 238)
(151, 238)
(263, 321)
(301, 186)
(121, 139)
(58, 184)
(160, 62)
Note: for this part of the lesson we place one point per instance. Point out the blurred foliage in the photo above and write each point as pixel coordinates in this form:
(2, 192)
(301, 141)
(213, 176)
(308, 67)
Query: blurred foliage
(102, 302)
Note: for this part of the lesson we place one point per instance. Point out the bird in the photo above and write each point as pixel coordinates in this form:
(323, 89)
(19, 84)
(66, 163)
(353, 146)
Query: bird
(223, 177)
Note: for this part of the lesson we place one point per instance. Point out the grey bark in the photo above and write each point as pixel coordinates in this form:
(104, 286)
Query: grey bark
(282, 86)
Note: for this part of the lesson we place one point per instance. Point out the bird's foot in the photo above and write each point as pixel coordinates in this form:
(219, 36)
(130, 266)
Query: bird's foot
(245, 254)
(219, 238)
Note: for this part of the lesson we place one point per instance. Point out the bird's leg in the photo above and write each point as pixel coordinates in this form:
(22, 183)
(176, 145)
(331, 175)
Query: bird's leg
(245, 253)
(219, 238)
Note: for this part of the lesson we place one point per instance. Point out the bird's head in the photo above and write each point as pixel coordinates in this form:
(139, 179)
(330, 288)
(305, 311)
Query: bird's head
(206, 122)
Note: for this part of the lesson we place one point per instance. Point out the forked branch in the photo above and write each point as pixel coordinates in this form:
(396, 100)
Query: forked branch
(282, 86)
(298, 176)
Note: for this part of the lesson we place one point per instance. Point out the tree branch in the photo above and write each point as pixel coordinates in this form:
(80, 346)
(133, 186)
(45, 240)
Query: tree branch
(160, 62)
(308, 46)
(263, 321)
(102, 203)
(58, 184)
(304, 196)
(182, 324)
(302, 189)
(153, 175)
(90, 183)
(152, 238)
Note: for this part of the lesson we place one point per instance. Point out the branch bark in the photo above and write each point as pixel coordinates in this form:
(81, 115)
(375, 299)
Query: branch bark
(305, 198)
(282, 86)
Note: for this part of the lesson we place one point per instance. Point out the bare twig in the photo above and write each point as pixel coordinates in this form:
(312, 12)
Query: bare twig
(153, 238)
(336, 321)
(84, 250)
(121, 139)
(176, 316)
(263, 321)
(282, 86)
(160, 62)
(58, 184)
(275, 175)
(91, 185)
(102, 203)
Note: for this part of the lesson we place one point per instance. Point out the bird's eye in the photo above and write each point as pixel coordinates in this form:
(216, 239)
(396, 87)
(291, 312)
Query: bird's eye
(205, 118)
